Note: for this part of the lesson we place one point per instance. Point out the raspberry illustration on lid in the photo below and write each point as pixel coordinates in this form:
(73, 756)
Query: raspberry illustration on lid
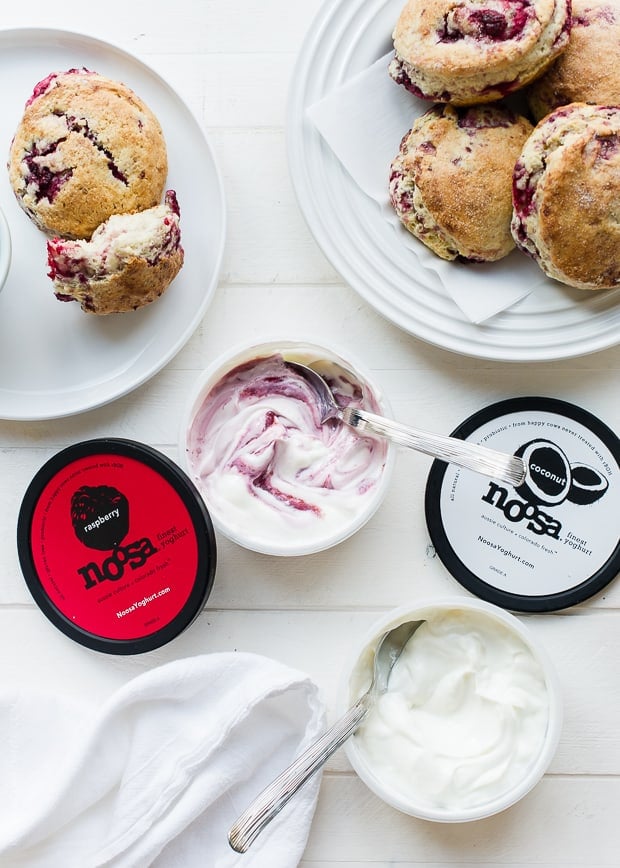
(100, 516)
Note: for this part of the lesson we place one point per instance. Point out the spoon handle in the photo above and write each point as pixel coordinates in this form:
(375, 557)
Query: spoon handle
(275, 796)
(499, 465)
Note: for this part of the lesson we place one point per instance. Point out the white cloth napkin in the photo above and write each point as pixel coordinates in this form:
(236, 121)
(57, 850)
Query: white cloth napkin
(363, 122)
(158, 774)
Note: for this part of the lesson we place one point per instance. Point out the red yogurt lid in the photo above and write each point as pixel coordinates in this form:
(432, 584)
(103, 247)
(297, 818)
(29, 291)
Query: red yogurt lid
(116, 545)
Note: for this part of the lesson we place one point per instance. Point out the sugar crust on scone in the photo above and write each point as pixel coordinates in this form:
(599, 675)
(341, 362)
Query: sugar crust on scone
(476, 51)
(85, 148)
(130, 260)
(589, 69)
(450, 183)
(566, 196)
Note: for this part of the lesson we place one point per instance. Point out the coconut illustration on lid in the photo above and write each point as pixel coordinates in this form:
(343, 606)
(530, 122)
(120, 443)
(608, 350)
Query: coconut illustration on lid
(587, 485)
(551, 478)
(548, 473)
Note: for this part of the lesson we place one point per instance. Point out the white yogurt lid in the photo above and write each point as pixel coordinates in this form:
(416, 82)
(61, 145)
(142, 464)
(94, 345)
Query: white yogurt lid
(550, 543)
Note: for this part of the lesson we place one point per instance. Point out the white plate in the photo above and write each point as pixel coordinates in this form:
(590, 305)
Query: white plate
(56, 360)
(553, 322)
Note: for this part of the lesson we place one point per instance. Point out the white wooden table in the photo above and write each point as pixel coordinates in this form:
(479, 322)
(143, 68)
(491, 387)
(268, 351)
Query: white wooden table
(231, 60)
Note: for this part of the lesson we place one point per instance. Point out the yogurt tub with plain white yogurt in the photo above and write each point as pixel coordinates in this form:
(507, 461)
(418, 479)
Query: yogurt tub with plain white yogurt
(471, 717)
(275, 479)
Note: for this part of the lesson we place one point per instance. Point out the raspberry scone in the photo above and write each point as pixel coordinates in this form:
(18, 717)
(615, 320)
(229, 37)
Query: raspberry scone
(589, 69)
(473, 51)
(566, 196)
(86, 147)
(450, 184)
(129, 261)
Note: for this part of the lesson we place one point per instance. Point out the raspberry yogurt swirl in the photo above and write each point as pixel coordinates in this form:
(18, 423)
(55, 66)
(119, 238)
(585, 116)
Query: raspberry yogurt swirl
(270, 472)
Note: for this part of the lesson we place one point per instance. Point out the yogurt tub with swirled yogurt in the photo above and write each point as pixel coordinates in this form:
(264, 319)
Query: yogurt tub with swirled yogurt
(471, 717)
(275, 479)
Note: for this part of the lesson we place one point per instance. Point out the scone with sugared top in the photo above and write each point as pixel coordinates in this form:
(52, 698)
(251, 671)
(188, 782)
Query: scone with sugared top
(451, 182)
(128, 263)
(85, 148)
(566, 195)
(589, 69)
(474, 51)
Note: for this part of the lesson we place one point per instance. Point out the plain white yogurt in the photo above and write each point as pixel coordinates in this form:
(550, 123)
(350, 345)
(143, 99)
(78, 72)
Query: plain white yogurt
(464, 718)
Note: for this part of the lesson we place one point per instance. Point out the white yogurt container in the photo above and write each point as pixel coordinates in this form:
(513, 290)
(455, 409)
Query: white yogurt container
(471, 718)
(276, 480)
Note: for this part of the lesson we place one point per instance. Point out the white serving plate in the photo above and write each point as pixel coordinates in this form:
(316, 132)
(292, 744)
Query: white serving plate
(55, 360)
(553, 322)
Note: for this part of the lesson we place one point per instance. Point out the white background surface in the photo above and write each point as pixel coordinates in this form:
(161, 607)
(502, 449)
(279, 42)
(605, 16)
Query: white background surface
(232, 60)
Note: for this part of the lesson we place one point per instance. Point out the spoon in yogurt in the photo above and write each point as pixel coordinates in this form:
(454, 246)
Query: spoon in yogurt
(275, 796)
(489, 462)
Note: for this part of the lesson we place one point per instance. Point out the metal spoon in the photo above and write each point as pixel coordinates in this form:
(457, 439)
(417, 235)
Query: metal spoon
(271, 801)
(498, 465)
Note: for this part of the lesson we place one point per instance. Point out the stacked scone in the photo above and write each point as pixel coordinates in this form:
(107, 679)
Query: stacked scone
(128, 262)
(472, 178)
(589, 68)
(476, 50)
(88, 164)
(567, 180)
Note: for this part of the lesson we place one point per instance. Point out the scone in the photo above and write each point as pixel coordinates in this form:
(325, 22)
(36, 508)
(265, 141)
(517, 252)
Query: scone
(129, 261)
(589, 69)
(451, 181)
(566, 196)
(476, 51)
(86, 147)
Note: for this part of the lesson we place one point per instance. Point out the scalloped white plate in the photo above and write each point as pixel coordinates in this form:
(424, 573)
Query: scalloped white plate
(553, 322)
(56, 360)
